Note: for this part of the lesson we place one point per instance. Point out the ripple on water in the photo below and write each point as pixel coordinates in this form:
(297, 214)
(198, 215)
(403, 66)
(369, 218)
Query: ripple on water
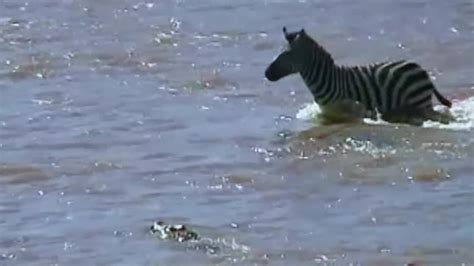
(22, 174)
(378, 154)
(428, 173)
(68, 167)
(213, 80)
(35, 67)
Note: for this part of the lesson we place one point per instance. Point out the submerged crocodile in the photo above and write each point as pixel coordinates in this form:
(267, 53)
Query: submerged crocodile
(176, 232)
(192, 240)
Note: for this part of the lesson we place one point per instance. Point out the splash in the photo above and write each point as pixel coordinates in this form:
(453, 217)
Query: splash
(368, 147)
(309, 111)
(463, 112)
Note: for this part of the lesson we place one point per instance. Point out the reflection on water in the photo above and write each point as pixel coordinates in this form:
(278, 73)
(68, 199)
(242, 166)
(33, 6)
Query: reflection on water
(117, 113)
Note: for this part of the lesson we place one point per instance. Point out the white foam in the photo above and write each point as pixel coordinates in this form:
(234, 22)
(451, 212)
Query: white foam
(463, 112)
(308, 112)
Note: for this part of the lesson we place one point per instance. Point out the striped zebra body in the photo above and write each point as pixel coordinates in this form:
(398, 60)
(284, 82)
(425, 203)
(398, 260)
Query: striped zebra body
(380, 88)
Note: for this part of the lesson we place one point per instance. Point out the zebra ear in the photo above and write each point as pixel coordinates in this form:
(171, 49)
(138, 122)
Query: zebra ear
(287, 36)
(302, 32)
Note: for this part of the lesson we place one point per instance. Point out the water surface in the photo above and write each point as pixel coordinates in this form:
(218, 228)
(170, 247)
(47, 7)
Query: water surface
(117, 113)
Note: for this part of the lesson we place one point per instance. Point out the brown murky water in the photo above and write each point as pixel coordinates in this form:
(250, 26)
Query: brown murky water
(117, 113)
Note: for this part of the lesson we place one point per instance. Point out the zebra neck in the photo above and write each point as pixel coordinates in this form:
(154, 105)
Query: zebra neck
(325, 81)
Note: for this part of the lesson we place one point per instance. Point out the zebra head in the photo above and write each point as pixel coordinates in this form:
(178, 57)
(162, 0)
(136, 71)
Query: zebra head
(290, 61)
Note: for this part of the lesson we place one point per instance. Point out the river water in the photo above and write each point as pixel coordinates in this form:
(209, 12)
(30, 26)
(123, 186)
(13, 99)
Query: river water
(116, 113)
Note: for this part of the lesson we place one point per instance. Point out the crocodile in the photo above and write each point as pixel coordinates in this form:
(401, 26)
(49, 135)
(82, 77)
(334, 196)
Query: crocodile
(176, 232)
(190, 239)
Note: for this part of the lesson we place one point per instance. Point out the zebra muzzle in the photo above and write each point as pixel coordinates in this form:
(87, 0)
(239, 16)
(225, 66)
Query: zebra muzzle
(271, 75)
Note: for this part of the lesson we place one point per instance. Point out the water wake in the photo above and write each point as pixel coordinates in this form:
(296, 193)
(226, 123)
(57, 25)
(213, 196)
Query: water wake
(462, 110)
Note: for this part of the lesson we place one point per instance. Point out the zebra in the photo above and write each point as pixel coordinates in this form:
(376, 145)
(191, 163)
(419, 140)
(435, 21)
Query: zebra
(400, 91)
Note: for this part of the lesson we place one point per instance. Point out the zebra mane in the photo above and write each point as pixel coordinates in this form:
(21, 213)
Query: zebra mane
(321, 51)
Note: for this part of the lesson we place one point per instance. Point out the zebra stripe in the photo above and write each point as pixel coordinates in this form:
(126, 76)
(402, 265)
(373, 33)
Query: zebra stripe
(380, 87)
